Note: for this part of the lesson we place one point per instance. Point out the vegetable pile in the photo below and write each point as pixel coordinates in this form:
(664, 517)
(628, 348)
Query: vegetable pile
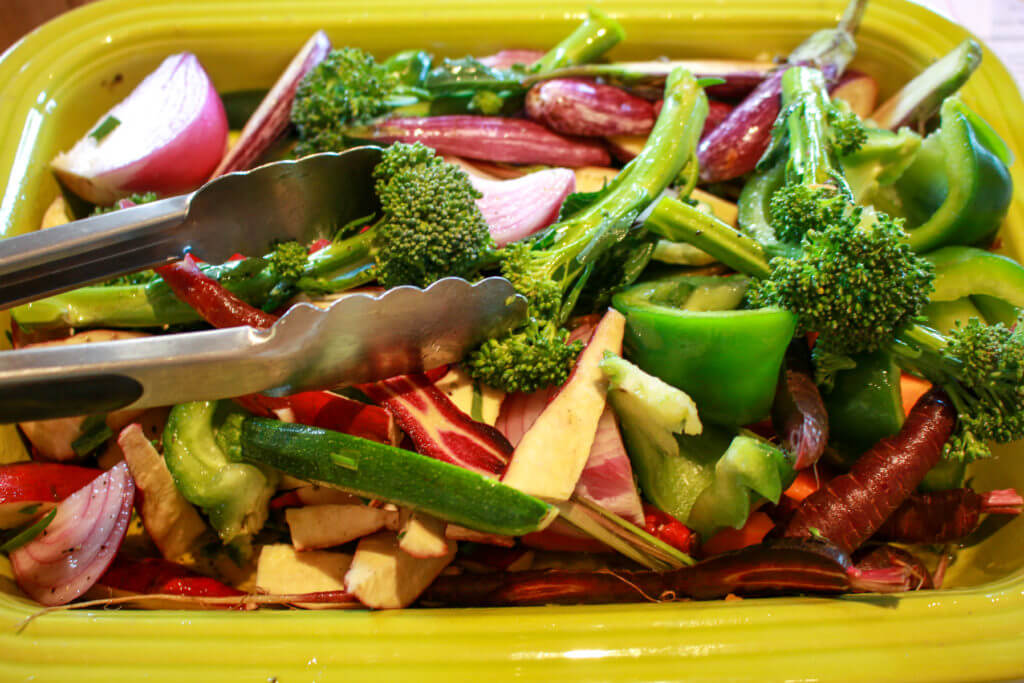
(768, 332)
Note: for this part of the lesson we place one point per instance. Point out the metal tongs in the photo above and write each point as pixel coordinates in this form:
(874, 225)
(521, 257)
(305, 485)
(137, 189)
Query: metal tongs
(358, 338)
(244, 212)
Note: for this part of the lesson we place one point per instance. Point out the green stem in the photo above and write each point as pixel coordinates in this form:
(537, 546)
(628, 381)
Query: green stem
(811, 159)
(596, 35)
(680, 222)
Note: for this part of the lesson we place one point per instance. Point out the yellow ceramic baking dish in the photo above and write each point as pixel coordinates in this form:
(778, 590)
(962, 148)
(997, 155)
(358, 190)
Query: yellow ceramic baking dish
(58, 80)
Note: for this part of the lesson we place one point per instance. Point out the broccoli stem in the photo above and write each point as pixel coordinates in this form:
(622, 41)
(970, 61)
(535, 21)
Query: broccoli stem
(596, 35)
(337, 267)
(811, 159)
(681, 222)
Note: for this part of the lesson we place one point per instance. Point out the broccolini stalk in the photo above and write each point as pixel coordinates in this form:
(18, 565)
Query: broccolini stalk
(552, 269)
(864, 287)
(430, 228)
(812, 133)
(350, 88)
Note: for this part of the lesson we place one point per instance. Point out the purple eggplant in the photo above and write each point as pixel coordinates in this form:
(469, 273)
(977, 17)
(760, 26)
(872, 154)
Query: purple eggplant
(734, 148)
(492, 138)
(576, 106)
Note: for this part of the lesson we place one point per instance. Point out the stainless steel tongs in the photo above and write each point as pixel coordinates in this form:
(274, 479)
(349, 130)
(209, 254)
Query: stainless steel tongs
(359, 338)
(240, 212)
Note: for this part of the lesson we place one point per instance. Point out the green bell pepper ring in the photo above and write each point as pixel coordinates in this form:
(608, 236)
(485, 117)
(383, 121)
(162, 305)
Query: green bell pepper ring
(958, 189)
(974, 283)
(952, 188)
(686, 331)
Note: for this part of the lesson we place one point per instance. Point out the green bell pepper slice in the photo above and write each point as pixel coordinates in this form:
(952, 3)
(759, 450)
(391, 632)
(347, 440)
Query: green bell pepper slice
(974, 283)
(958, 188)
(866, 403)
(687, 330)
(953, 188)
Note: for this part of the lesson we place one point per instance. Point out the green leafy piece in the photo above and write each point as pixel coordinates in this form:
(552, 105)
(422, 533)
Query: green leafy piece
(29, 533)
(105, 128)
(93, 433)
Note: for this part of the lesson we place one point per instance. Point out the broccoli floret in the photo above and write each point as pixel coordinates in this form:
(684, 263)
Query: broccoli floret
(848, 132)
(855, 286)
(981, 367)
(537, 355)
(794, 210)
(289, 259)
(347, 88)
(432, 227)
(552, 270)
(131, 200)
(812, 132)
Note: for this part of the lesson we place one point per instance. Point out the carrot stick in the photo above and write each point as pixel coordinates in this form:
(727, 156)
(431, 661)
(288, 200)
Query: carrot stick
(753, 532)
(912, 388)
(850, 508)
(945, 515)
(807, 482)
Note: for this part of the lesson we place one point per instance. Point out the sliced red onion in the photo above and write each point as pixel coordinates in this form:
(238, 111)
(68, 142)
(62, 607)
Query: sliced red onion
(167, 136)
(607, 478)
(30, 488)
(492, 138)
(77, 548)
(515, 209)
(273, 115)
(506, 59)
(576, 106)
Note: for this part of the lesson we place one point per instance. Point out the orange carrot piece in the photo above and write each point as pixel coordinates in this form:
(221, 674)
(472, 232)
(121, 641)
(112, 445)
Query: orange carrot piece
(753, 532)
(912, 388)
(807, 482)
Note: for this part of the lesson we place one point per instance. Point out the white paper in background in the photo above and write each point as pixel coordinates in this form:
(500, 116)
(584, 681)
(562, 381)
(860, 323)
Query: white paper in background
(1000, 23)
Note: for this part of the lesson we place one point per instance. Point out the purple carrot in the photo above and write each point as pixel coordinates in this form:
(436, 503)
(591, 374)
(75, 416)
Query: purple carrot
(576, 106)
(755, 570)
(798, 412)
(887, 557)
(515, 209)
(492, 138)
(273, 115)
(850, 508)
(945, 516)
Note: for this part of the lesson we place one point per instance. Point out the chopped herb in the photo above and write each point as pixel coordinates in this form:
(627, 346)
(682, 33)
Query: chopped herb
(28, 533)
(344, 461)
(93, 433)
(105, 128)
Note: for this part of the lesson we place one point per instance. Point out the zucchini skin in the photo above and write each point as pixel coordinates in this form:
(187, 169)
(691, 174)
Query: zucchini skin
(375, 470)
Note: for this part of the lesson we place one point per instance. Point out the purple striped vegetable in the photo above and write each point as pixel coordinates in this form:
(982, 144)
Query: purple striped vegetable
(515, 141)
(509, 58)
(517, 208)
(734, 147)
(575, 106)
(273, 115)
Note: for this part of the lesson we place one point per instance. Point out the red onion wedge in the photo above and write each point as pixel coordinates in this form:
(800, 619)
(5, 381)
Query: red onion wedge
(491, 138)
(273, 115)
(79, 545)
(29, 489)
(505, 59)
(515, 209)
(167, 136)
(576, 106)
